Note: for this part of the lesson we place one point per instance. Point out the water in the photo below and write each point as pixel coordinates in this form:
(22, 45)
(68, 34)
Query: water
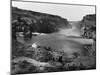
(69, 40)
(73, 31)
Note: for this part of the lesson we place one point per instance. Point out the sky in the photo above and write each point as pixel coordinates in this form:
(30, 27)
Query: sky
(70, 12)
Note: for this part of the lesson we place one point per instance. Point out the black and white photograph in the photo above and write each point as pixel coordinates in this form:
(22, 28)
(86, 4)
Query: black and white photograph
(52, 37)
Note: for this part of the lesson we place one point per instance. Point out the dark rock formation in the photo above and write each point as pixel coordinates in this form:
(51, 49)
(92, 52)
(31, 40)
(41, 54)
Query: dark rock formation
(29, 21)
(88, 26)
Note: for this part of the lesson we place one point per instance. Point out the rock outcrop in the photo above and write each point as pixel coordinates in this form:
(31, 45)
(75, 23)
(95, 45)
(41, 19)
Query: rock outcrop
(36, 21)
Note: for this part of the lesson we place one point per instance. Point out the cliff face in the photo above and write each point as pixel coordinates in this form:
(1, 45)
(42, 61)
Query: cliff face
(88, 26)
(37, 22)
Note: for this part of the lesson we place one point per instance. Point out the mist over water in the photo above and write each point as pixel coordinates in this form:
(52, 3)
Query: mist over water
(74, 30)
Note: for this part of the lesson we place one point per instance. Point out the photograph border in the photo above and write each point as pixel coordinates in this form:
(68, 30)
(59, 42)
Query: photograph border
(61, 3)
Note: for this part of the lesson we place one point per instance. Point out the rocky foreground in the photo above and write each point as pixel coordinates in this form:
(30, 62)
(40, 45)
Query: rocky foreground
(49, 55)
